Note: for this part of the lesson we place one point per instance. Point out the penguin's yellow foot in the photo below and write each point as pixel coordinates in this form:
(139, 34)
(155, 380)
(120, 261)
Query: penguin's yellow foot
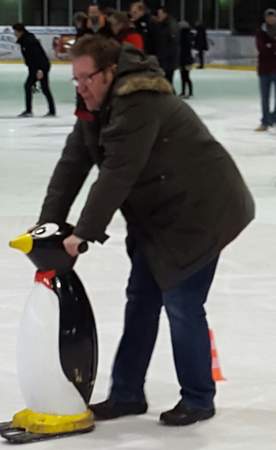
(52, 424)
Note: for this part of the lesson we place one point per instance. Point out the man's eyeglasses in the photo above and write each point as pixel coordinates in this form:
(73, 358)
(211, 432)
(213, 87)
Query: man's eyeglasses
(76, 82)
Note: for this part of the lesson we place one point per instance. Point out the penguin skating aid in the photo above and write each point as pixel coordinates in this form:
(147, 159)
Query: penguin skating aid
(57, 349)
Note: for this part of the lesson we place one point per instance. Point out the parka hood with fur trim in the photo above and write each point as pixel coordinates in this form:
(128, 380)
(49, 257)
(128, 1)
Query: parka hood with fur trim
(139, 72)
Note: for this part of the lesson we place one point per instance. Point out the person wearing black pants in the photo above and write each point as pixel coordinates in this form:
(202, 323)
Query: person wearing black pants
(186, 59)
(39, 66)
(168, 43)
(186, 81)
(169, 75)
(44, 82)
(201, 43)
(200, 56)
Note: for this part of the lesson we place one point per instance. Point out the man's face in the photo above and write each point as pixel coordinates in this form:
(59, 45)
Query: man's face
(116, 26)
(18, 34)
(161, 15)
(136, 12)
(93, 11)
(92, 84)
(271, 20)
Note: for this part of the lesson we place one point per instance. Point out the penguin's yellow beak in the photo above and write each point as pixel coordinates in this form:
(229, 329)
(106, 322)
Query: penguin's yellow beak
(24, 242)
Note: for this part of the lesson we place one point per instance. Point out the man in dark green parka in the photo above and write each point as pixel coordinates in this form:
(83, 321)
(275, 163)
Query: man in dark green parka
(183, 200)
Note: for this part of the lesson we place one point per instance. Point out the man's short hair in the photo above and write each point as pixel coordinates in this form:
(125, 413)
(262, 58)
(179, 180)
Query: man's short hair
(120, 17)
(19, 27)
(80, 15)
(107, 10)
(104, 51)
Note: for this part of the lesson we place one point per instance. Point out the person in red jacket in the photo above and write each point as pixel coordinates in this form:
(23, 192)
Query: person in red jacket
(124, 31)
(266, 46)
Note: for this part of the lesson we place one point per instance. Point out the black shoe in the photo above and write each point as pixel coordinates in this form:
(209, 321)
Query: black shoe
(25, 114)
(182, 415)
(50, 114)
(110, 409)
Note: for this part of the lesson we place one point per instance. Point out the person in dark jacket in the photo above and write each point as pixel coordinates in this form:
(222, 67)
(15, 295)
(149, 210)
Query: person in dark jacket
(38, 65)
(266, 46)
(80, 22)
(201, 43)
(124, 31)
(168, 43)
(97, 22)
(186, 59)
(183, 200)
(145, 26)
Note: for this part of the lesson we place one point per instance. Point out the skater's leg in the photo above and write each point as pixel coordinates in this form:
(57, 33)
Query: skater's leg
(265, 87)
(140, 330)
(201, 59)
(190, 84)
(273, 119)
(46, 91)
(169, 75)
(190, 337)
(30, 81)
(183, 80)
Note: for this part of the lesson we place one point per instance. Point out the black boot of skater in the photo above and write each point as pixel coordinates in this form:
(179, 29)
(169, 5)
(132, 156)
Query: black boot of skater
(110, 409)
(182, 415)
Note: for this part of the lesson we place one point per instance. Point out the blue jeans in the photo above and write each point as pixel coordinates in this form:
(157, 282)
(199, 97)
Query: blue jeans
(189, 334)
(266, 82)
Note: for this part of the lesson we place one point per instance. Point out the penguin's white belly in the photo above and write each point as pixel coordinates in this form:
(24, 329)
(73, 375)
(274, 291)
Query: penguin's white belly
(44, 385)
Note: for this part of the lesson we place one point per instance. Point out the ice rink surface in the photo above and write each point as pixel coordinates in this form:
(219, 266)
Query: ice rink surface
(242, 302)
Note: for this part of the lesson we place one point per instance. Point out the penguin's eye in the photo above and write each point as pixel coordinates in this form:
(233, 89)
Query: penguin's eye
(45, 231)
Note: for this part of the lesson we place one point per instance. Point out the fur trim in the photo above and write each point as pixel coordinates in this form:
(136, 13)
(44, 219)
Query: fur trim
(137, 83)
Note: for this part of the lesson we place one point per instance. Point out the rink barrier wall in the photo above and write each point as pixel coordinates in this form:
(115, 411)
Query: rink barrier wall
(208, 66)
(225, 50)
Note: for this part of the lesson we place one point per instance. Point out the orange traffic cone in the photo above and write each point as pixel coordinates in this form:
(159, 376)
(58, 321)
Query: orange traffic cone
(216, 370)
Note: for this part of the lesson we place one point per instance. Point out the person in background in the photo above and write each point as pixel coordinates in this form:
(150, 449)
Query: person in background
(38, 65)
(97, 22)
(124, 30)
(186, 59)
(183, 199)
(201, 43)
(168, 43)
(80, 22)
(144, 25)
(266, 46)
(107, 11)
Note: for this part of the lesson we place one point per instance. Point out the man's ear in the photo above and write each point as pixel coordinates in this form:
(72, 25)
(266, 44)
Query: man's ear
(111, 70)
(114, 68)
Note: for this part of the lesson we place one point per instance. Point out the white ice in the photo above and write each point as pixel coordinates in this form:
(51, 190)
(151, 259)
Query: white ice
(242, 302)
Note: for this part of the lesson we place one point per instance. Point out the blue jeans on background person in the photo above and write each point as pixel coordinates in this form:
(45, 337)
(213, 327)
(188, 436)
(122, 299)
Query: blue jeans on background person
(266, 82)
(189, 334)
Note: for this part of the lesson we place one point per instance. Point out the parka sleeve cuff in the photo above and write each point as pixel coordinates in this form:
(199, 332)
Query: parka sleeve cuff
(100, 237)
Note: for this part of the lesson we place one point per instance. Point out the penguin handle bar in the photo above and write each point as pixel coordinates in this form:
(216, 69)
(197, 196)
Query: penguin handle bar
(83, 247)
